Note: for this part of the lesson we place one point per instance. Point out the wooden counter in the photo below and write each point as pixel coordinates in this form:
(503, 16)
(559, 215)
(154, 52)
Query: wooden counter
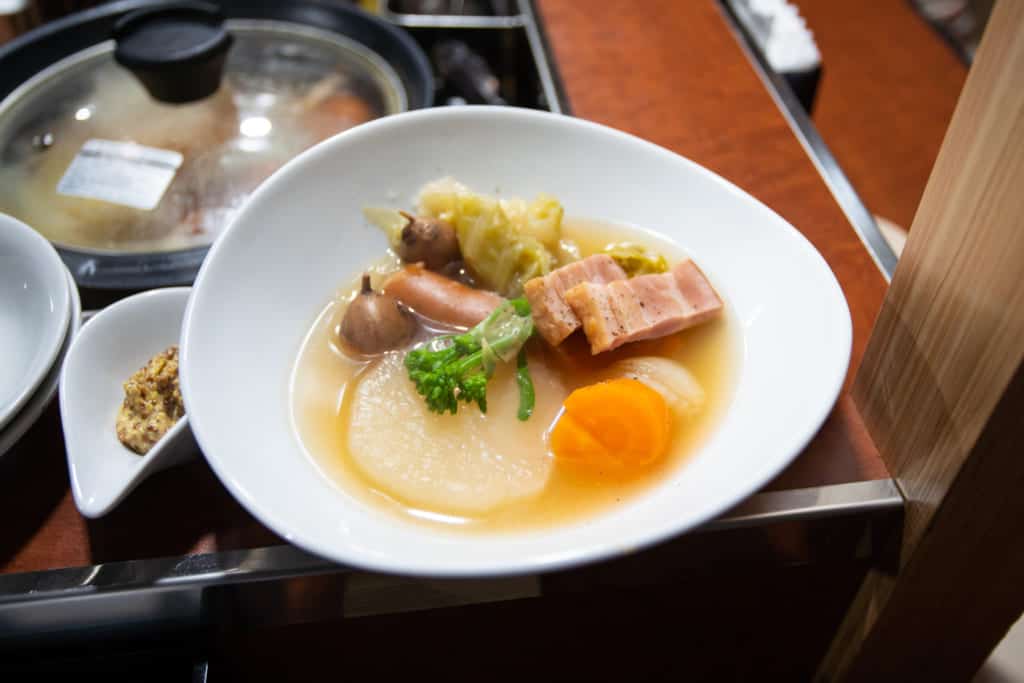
(668, 71)
(887, 93)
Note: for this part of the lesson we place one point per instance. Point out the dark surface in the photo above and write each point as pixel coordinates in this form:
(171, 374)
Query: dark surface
(503, 52)
(730, 627)
(727, 626)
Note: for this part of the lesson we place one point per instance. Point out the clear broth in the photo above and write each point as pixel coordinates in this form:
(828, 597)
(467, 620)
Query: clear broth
(324, 377)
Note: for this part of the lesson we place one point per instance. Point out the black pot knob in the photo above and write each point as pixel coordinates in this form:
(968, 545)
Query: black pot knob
(176, 50)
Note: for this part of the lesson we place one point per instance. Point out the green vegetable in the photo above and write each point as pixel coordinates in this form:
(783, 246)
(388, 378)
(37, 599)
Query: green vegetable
(454, 368)
(526, 396)
(636, 259)
(504, 242)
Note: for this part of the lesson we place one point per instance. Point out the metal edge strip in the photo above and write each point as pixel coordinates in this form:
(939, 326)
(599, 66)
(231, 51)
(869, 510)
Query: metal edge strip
(450, 20)
(819, 502)
(803, 128)
(540, 48)
(285, 561)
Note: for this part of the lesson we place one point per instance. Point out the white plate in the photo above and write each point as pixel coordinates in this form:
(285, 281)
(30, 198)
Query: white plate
(34, 312)
(38, 401)
(111, 347)
(301, 235)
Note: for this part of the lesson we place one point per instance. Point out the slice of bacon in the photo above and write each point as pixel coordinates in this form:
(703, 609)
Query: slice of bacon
(554, 318)
(643, 307)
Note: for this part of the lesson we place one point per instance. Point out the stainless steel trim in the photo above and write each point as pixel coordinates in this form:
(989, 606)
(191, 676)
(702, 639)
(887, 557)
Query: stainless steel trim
(205, 570)
(279, 562)
(556, 99)
(450, 20)
(862, 497)
(846, 197)
(375, 594)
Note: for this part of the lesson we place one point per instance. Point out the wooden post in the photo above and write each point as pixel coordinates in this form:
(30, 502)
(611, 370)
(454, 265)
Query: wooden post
(941, 390)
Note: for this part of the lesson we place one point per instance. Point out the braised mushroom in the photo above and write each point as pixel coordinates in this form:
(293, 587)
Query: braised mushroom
(376, 322)
(430, 241)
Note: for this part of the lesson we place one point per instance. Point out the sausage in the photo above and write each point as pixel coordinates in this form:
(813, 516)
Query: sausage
(439, 298)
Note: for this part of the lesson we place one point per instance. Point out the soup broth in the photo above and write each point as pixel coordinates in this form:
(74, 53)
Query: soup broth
(325, 380)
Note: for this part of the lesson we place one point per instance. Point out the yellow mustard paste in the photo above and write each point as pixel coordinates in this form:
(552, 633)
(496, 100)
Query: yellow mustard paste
(152, 402)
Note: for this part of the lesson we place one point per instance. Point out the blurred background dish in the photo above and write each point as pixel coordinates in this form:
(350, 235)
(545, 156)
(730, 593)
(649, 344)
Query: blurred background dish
(35, 307)
(41, 397)
(132, 190)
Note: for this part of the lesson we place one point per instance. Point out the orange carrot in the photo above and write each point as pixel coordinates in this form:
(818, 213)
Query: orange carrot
(622, 423)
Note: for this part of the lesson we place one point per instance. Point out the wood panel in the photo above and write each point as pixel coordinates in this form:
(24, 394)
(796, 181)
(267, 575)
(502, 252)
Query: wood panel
(942, 390)
(887, 93)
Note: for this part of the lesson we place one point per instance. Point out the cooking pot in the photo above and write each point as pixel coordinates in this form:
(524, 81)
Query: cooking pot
(131, 133)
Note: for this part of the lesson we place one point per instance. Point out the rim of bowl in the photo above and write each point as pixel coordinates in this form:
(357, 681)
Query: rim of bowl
(56, 272)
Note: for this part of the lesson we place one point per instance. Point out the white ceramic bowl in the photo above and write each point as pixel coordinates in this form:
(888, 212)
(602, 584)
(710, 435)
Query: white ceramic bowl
(43, 394)
(35, 308)
(115, 343)
(301, 235)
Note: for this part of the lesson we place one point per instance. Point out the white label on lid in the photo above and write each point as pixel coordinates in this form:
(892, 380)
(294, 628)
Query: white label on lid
(121, 173)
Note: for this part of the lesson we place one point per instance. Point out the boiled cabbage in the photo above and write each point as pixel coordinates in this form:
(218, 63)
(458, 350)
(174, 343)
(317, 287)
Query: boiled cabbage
(636, 259)
(504, 241)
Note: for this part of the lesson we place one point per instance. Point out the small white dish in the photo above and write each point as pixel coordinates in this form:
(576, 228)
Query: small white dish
(111, 347)
(39, 401)
(35, 307)
(302, 234)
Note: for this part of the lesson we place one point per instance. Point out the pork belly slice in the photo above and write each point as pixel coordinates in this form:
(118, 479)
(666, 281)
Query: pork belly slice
(644, 307)
(554, 317)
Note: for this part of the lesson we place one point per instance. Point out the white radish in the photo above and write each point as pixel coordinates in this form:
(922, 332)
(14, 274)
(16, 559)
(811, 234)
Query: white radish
(468, 463)
(670, 379)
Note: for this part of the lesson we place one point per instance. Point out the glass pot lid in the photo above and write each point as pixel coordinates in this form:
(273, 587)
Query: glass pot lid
(91, 160)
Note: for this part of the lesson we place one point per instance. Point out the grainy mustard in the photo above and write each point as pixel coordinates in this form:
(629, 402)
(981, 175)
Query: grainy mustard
(152, 402)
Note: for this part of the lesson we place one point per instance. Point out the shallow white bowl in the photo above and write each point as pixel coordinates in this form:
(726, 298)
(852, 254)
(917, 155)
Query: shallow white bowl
(301, 235)
(35, 308)
(114, 344)
(40, 399)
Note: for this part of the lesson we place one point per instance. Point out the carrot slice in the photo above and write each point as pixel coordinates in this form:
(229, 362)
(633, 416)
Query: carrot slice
(622, 422)
(571, 442)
